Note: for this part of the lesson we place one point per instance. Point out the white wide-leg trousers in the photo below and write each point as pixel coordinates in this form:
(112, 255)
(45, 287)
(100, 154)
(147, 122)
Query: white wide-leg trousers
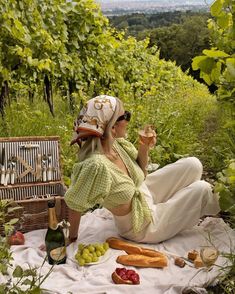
(177, 198)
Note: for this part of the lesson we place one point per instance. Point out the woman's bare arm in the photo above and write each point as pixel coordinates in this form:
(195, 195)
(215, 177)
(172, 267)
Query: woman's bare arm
(143, 151)
(142, 158)
(74, 220)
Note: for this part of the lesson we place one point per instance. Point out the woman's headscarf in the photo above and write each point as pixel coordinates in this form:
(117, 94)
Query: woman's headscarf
(94, 117)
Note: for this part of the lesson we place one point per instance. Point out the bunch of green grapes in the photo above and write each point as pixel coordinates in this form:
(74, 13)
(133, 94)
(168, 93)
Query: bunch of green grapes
(90, 253)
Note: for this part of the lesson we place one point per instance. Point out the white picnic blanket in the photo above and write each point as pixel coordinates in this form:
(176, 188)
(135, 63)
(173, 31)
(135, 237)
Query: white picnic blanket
(96, 279)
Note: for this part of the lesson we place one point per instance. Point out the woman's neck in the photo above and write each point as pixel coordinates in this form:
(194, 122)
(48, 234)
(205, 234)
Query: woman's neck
(107, 145)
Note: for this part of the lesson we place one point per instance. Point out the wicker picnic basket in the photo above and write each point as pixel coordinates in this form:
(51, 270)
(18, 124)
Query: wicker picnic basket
(30, 174)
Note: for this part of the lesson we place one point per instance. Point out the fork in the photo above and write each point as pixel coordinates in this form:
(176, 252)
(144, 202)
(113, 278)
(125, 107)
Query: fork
(13, 169)
(44, 169)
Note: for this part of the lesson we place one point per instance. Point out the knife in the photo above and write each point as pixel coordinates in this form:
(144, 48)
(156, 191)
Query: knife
(44, 168)
(187, 261)
(29, 146)
(2, 166)
(49, 169)
(38, 167)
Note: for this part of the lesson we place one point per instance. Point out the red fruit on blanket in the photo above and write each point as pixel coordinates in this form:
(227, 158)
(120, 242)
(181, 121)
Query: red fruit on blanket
(17, 238)
(124, 276)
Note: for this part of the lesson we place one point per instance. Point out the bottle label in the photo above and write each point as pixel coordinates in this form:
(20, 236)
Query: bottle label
(58, 253)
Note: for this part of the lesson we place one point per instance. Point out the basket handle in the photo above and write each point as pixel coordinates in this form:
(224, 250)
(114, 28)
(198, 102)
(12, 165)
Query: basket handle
(34, 215)
(45, 213)
(58, 205)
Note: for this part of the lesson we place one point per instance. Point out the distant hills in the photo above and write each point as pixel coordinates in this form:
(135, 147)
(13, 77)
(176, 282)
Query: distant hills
(182, 2)
(159, 2)
(145, 6)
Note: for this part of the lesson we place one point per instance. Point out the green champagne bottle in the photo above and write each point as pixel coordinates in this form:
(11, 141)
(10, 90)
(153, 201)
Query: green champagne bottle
(55, 240)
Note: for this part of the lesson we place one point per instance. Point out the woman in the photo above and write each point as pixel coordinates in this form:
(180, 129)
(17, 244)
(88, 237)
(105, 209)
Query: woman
(111, 172)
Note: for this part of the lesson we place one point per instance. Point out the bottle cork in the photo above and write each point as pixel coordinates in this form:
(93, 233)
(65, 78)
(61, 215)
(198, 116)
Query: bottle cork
(179, 262)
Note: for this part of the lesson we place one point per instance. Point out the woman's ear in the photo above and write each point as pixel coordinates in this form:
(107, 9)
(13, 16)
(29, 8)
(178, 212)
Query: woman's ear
(113, 131)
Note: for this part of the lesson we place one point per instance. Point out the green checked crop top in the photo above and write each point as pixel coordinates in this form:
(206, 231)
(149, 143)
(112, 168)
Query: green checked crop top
(97, 180)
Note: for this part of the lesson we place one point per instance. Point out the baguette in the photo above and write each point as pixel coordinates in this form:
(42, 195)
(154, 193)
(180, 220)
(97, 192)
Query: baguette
(139, 260)
(130, 248)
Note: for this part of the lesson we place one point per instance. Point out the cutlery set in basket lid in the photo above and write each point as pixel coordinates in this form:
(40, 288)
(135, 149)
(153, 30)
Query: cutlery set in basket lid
(30, 174)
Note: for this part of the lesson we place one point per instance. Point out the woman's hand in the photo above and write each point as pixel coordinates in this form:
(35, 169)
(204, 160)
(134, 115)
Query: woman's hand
(147, 139)
(69, 240)
(74, 220)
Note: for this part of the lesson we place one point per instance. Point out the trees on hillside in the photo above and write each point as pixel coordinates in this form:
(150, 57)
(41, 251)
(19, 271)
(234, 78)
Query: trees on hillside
(181, 42)
(140, 22)
(180, 36)
(217, 65)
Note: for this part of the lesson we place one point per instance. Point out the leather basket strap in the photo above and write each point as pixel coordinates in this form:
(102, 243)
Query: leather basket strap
(58, 205)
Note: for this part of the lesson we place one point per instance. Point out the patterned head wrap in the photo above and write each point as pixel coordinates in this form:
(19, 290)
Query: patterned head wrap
(94, 117)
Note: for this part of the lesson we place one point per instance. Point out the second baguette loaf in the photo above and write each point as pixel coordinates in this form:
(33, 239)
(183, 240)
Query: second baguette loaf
(139, 260)
(130, 248)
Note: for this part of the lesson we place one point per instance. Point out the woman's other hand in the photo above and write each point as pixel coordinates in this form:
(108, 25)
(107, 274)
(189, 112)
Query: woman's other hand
(69, 241)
